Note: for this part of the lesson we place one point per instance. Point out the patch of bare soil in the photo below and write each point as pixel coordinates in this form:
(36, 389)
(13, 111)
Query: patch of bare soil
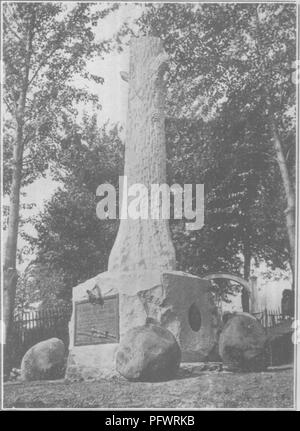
(209, 389)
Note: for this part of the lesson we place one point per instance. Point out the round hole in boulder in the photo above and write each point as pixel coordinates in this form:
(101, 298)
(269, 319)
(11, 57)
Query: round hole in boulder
(194, 317)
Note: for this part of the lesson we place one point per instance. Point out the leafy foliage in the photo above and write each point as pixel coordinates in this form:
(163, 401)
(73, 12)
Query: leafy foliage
(230, 69)
(70, 237)
(241, 195)
(39, 286)
(62, 41)
(220, 52)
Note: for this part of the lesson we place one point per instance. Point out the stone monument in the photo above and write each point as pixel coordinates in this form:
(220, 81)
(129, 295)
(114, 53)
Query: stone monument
(141, 281)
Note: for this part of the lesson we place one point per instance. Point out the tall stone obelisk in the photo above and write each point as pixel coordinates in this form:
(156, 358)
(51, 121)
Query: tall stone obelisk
(145, 244)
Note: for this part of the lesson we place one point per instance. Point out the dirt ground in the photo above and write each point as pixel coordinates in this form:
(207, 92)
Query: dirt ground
(270, 389)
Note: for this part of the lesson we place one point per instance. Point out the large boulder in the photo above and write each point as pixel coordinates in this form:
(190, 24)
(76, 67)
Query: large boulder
(44, 361)
(243, 344)
(148, 353)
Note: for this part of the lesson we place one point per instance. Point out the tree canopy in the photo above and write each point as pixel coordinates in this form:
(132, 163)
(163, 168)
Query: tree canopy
(230, 125)
(232, 63)
(70, 239)
(46, 46)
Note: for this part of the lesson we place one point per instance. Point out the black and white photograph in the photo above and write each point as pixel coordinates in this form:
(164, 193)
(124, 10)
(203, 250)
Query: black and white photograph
(149, 208)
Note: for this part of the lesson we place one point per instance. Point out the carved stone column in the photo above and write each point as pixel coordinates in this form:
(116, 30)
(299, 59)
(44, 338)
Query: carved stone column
(144, 244)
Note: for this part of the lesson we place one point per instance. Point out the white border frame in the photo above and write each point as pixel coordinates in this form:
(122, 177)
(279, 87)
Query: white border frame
(297, 253)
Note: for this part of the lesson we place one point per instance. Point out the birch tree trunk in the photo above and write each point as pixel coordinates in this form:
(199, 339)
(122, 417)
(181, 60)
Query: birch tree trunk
(247, 268)
(281, 160)
(10, 273)
(144, 244)
(289, 191)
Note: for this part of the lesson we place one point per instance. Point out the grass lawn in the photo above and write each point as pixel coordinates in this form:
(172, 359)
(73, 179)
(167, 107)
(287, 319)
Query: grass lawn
(271, 389)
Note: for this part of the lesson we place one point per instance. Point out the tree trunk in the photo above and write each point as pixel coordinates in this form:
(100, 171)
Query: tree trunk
(254, 299)
(281, 160)
(10, 272)
(289, 192)
(247, 266)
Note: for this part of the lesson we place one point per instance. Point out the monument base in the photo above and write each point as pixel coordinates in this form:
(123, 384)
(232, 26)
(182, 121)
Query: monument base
(177, 301)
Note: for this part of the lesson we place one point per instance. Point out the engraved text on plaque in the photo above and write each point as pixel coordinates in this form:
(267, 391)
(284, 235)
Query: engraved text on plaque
(95, 323)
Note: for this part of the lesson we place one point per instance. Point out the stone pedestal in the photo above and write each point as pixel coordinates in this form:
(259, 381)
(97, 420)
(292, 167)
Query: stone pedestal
(177, 301)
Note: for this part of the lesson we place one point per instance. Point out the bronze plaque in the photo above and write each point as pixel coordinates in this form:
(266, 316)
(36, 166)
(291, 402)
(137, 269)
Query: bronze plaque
(95, 323)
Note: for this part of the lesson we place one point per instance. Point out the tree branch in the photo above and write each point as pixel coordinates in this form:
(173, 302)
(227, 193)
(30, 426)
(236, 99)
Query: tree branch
(42, 64)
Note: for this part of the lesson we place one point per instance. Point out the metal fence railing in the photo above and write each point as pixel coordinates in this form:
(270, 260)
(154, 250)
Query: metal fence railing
(269, 318)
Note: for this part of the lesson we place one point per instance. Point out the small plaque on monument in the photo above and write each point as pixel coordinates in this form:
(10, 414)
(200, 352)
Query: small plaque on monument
(96, 323)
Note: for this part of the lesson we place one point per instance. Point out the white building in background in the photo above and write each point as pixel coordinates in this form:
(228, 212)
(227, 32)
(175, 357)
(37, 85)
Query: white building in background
(269, 291)
(269, 294)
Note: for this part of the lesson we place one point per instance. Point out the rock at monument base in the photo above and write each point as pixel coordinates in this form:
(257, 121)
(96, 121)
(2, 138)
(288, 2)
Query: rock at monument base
(148, 353)
(44, 361)
(242, 344)
(179, 302)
